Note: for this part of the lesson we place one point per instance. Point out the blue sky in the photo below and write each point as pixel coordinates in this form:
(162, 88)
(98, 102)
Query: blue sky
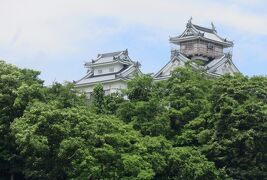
(56, 37)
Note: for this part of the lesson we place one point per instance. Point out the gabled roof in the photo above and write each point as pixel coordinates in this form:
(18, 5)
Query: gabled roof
(178, 57)
(109, 58)
(111, 54)
(193, 31)
(216, 64)
(212, 68)
(121, 75)
(200, 28)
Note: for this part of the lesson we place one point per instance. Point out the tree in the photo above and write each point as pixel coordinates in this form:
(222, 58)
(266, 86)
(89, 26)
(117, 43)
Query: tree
(148, 117)
(140, 88)
(112, 102)
(191, 126)
(18, 88)
(65, 95)
(187, 93)
(187, 163)
(240, 114)
(76, 143)
(98, 98)
(157, 154)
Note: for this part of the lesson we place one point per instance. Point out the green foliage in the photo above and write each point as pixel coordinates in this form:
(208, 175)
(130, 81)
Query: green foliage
(63, 142)
(140, 88)
(136, 166)
(199, 62)
(187, 163)
(18, 88)
(224, 118)
(112, 102)
(146, 116)
(240, 115)
(105, 104)
(65, 95)
(98, 98)
(191, 126)
(188, 91)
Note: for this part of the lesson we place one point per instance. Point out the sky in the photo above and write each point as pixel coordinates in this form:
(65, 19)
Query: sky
(57, 37)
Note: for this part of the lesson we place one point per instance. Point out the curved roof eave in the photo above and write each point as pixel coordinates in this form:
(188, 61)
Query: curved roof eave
(105, 81)
(183, 39)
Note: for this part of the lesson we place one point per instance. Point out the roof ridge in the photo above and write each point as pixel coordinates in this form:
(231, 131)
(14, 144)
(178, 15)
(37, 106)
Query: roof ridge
(110, 54)
(201, 28)
(217, 64)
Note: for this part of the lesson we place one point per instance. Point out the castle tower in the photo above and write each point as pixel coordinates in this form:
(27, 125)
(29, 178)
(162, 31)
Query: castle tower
(204, 48)
(112, 70)
(202, 43)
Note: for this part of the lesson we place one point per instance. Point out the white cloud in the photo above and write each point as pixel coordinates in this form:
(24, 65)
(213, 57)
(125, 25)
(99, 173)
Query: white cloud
(52, 26)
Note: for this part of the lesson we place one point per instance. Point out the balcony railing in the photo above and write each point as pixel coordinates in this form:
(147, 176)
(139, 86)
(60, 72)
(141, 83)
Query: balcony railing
(198, 51)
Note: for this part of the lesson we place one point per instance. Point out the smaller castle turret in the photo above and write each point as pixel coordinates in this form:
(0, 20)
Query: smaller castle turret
(112, 70)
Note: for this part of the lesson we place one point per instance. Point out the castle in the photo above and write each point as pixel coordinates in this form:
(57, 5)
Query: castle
(112, 70)
(200, 46)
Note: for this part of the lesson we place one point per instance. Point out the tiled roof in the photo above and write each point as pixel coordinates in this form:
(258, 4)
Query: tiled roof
(111, 54)
(201, 32)
(214, 62)
(203, 28)
(103, 59)
(107, 57)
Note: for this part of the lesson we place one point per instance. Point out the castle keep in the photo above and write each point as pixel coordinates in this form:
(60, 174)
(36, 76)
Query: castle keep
(204, 48)
(200, 46)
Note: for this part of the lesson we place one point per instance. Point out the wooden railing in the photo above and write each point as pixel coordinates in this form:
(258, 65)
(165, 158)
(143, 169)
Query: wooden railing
(201, 52)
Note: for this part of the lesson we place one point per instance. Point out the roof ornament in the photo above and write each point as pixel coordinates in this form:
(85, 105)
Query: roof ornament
(190, 20)
(213, 27)
(189, 23)
(229, 55)
(137, 64)
(126, 51)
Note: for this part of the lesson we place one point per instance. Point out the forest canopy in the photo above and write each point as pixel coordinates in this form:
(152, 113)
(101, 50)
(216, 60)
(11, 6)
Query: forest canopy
(191, 126)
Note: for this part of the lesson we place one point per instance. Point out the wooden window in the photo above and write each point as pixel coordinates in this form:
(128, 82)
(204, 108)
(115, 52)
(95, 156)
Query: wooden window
(210, 46)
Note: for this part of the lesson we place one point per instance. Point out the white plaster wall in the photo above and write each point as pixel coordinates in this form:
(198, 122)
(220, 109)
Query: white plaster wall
(117, 67)
(170, 67)
(105, 68)
(109, 87)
